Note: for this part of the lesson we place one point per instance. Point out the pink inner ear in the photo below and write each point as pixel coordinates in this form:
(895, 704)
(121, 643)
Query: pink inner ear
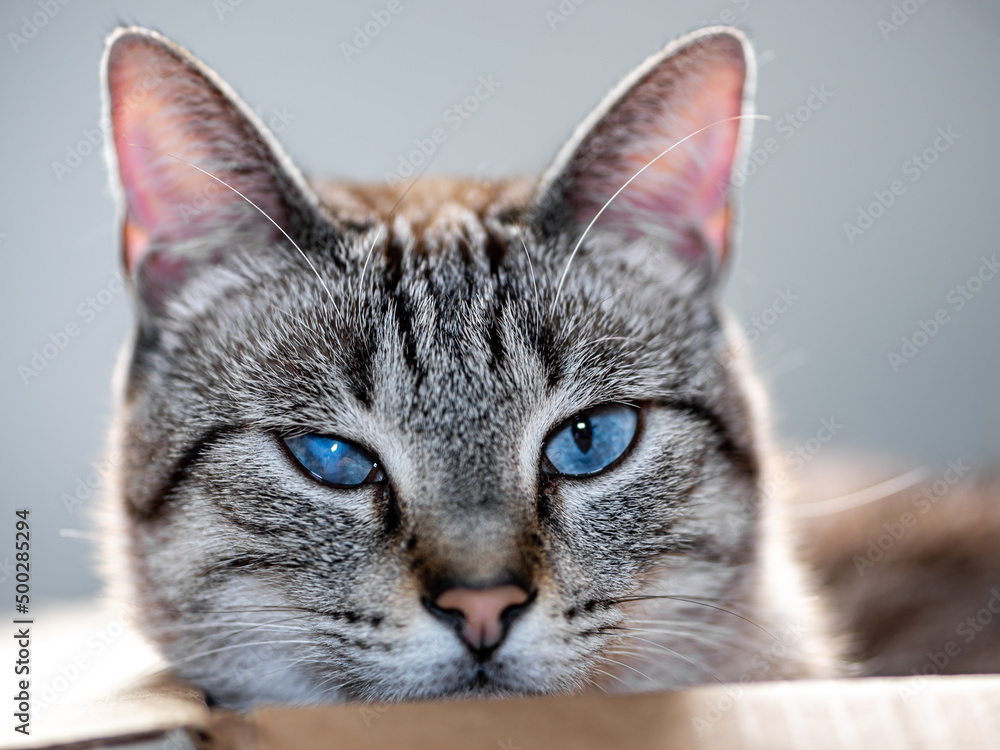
(685, 191)
(141, 77)
(166, 117)
(135, 241)
(162, 193)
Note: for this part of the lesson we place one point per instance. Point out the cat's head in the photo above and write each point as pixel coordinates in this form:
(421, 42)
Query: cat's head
(439, 438)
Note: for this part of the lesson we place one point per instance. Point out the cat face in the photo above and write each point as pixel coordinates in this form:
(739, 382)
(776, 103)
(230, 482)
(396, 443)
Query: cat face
(442, 439)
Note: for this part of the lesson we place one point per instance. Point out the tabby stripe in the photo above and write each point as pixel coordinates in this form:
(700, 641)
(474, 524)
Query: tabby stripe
(157, 505)
(408, 337)
(742, 458)
(359, 366)
(494, 338)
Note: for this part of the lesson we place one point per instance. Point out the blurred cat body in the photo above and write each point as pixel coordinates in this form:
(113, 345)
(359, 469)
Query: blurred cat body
(448, 328)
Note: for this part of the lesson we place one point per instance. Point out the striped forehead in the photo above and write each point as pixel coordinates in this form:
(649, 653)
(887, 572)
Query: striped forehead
(465, 315)
(432, 254)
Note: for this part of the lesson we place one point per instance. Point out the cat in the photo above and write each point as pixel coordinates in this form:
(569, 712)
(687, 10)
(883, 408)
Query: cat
(444, 438)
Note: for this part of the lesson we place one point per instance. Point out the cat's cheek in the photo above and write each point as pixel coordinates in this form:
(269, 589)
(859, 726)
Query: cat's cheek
(420, 660)
(544, 654)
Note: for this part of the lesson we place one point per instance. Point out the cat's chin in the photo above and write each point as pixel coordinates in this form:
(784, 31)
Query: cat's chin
(477, 687)
(485, 682)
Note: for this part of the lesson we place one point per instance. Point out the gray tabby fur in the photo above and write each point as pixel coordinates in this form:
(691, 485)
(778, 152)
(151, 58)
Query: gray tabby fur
(449, 351)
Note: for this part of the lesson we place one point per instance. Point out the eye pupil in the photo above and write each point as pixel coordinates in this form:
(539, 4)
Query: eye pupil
(583, 434)
(592, 441)
(334, 461)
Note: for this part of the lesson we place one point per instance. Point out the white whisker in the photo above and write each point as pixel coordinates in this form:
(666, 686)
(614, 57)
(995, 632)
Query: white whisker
(531, 269)
(606, 674)
(693, 663)
(382, 226)
(261, 210)
(583, 236)
(202, 654)
(861, 497)
(627, 666)
(368, 257)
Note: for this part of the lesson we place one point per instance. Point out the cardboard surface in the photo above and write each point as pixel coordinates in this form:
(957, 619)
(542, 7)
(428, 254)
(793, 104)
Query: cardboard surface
(952, 712)
(114, 702)
(937, 712)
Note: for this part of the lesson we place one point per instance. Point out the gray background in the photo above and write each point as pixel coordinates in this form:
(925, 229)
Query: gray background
(825, 357)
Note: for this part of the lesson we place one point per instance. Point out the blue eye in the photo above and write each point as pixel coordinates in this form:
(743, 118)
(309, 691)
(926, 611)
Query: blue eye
(334, 461)
(591, 441)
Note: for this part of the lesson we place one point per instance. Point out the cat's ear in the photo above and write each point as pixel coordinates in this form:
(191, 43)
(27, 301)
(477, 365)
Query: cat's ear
(655, 159)
(194, 165)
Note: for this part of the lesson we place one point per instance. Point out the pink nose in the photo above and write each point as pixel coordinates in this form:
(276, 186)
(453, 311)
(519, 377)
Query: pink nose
(482, 610)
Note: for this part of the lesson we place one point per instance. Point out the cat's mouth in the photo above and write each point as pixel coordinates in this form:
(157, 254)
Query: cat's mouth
(483, 684)
(488, 679)
(486, 683)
